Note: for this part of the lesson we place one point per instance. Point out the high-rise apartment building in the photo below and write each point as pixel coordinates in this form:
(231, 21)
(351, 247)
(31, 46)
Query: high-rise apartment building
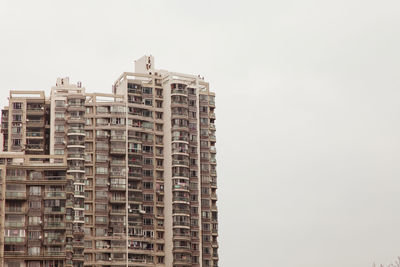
(120, 179)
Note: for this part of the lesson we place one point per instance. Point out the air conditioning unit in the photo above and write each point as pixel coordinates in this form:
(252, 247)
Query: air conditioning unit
(142, 211)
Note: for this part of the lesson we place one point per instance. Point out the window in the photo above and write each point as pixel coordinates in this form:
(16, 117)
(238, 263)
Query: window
(16, 129)
(17, 118)
(101, 170)
(34, 251)
(101, 158)
(147, 161)
(59, 140)
(101, 219)
(35, 191)
(59, 128)
(60, 103)
(148, 102)
(59, 151)
(147, 90)
(147, 197)
(60, 115)
(16, 142)
(35, 204)
(101, 109)
(17, 105)
(147, 221)
(34, 220)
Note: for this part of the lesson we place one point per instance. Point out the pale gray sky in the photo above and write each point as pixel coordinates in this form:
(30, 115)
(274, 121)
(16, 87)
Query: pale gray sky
(307, 108)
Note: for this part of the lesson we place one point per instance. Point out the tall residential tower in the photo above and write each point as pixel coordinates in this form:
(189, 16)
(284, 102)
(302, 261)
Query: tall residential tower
(120, 179)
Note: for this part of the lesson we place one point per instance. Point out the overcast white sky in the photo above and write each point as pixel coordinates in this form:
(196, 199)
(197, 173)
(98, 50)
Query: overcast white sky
(308, 110)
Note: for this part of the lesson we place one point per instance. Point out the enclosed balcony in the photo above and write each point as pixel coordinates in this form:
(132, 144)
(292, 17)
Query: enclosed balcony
(54, 195)
(15, 191)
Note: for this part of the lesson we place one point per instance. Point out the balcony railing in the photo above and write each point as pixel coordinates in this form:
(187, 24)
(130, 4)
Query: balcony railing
(117, 150)
(34, 134)
(79, 156)
(15, 178)
(14, 224)
(13, 194)
(54, 253)
(117, 186)
(179, 91)
(181, 174)
(34, 146)
(180, 162)
(14, 239)
(34, 121)
(54, 225)
(55, 194)
(15, 209)
(81, 131)
(185, 199)
(54, 209)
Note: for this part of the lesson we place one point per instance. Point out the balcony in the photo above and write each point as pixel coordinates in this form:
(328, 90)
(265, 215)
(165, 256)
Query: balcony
(35, 110)
(117, 150)
(34, 134)
(79, 194)
(75, 119)
(54, 225)
(14, 224)
(76, 156)
(118, 137)
(54, 194)
(15, 178)
(180, 162)
(117, 187)
(15, 210)
(180, 186)
(135, 199)
(183, 260)
(55, 209)
(76, 132)
(118, 162)
(179, 91)
(180, 174)
(76, 143)
(54, 253)
(34, 123)
(54, 178)
(15, 195)
(76, 168)
(181, 211)
(35, 146)
(180, 199)
(14, 239)
(118, 200)
(134, 175)
(53, 241)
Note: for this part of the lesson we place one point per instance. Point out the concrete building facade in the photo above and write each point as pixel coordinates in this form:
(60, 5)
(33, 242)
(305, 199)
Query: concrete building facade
(120, 179)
